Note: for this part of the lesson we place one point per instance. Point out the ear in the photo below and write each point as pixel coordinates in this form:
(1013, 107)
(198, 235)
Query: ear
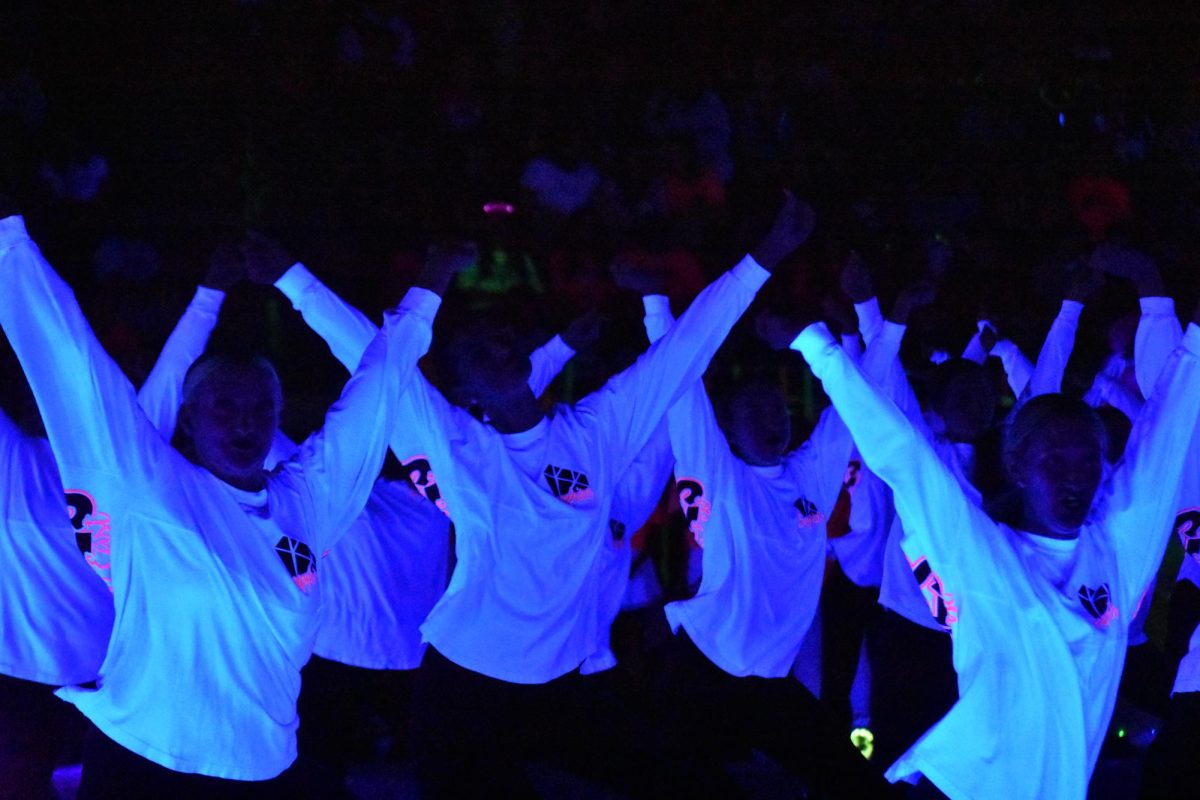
(1016, 472)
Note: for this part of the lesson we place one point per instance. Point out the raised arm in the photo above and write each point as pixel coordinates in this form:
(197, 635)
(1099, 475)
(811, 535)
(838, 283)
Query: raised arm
(88, 405)
(1145, 488)
(162, 393)
(940, 522)
(633, 402)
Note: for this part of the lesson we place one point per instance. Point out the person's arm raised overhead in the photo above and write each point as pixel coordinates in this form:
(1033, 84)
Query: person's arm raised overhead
(162, 393)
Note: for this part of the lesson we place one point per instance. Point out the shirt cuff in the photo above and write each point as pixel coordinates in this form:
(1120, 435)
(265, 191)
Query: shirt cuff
(813, 341)
(1191, 339)
(750, 272)
(293, 282)
(1070, 310)
(12, 230)
(1157, 305)
(208, 299)
(558, 349)
(656, 304)
(421, 302)
(868, 312)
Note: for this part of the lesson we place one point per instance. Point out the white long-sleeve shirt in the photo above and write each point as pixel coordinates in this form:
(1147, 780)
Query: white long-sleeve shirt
(57, 617)
(381, 581)
(532, 509)
(1041, 634)
(214, 587)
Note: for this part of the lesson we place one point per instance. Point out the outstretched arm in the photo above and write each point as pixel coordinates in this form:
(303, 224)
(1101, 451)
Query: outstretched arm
(1145, 488)
(940, 522)
(101, 439)
(162, 393)
(1060, 340)
(633, 402)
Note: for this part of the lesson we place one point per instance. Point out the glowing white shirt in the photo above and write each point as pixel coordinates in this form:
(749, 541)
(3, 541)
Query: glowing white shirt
(214, 588)
(532, 509)
(1038, 650)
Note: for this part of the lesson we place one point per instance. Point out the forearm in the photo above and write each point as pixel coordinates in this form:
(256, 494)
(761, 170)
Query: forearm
(1056, 350)
(162, 394)
(344, 328)
(88, 406)
(1158, 334)
(546, 362)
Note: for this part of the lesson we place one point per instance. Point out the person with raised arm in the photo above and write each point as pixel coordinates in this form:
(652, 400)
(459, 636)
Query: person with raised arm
(531, 497)
(57, 600)
(213, 559)
(758, 511)
(1044, 606)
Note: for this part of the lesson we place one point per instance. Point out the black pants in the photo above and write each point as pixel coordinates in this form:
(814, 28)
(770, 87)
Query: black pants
(34, 728)
(913, 684)
(110, 772)
(719, 717)
(472, 736)
(345, 713)
(848, 616)
(1170, 769)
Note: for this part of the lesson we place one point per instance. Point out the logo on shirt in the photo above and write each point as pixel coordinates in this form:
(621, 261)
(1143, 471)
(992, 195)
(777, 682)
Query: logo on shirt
(808, 513)
(1187, 526)
(299, 561)
(91, 533)
(697, 510)
(941, 603)
(1098, 603)
(568, 485)
(420, 476)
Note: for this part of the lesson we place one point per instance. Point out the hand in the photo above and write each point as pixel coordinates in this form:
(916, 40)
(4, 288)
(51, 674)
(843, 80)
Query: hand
(1130, 264)
(635, 277)
(1085, 281)
(583, 332)
(265, 259)
(791, 228)
(856, 279)
(225, 268)
(443, 262)
(911, 298)
(777, 330)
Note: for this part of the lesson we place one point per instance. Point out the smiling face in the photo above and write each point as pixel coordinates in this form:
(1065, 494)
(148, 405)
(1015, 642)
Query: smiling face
(231, 418)
(1058, 470)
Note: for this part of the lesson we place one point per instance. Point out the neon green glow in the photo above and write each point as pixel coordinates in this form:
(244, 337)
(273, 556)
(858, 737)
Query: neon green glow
(864, 740)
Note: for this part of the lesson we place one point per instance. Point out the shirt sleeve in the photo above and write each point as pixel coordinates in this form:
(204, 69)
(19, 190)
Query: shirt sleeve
(1056, 351)
(162, 393)
(870, 319)
(629, 407)
(974, 350)
(546, 362)
(340, 463)
(941, 523)
(881, 363)
(1016, 365)
(1145, 487)
(344, 328)
(658, 319)
(97, 431)
(1158, 334)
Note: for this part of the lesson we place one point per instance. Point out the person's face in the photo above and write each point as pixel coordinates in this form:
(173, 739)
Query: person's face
(968, 408)
(491, 366)
(1058, 477)
(231, 418)
(759, 426)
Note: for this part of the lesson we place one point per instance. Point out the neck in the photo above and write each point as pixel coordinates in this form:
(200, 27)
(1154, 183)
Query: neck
(515, 414)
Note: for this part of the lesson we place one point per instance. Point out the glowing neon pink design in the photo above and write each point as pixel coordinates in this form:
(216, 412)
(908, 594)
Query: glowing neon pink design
(1099, 605)
(578, 496)
(808, 515)
(697, 509)
(421, 478)
(498, 208)
(941, 603)
(92, 532)
(306, 581)
(1187, 526)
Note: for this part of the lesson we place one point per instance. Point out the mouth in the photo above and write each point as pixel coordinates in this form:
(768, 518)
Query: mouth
(1076, 505)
